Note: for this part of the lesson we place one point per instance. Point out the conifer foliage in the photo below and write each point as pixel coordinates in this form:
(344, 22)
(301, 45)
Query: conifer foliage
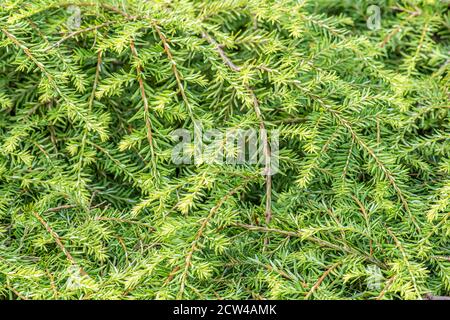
(93, 207)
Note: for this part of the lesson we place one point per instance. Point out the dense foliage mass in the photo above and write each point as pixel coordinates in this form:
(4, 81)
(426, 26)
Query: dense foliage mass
(93, 207)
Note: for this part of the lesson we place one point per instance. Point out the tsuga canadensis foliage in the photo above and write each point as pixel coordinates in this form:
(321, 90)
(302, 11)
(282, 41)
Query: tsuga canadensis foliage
(93, 207)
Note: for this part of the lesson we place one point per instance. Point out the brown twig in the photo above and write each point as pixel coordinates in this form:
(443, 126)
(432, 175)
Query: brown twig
(219, 49)
(97, 5)
(267, 157)
(125, 221)
(366, 218)
(320, 242)
(347, 162)
(194, 245)
(124, 247)
(52, 283)
(56, 209)
(78, 32)
(172, 274)
(396, 30)
(362, 143)
(160, 35)
(429, 296)
(419, 47)
(283, 274)
(175, 71)
(58, 241)
(148, 122)
(320, 280)
(405, 258)
(379, 163)
(27, 53)
(17, 293)
(257, 109)
(386, 287)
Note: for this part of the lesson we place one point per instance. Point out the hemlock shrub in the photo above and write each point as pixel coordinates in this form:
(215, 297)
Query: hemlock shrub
(92, 205)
